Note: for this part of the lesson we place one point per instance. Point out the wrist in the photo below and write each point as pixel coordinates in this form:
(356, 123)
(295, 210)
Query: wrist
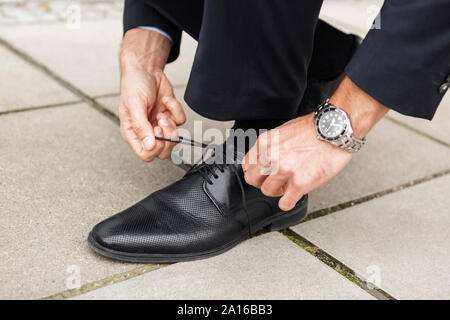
(145, 49)
(363, 110)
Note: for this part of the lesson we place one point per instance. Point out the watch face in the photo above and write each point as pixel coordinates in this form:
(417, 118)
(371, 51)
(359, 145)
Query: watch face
(331, 124)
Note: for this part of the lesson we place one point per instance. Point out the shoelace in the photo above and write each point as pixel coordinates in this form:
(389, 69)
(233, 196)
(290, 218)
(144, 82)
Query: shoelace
(208, 168)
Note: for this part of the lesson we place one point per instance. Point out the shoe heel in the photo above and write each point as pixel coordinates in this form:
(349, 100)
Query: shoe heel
(289, 218)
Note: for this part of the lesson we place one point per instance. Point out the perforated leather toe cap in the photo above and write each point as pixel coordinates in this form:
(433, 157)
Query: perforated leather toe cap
(164, 223)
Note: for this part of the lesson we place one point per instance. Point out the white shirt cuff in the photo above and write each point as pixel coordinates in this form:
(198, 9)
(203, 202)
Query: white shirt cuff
(159, 31)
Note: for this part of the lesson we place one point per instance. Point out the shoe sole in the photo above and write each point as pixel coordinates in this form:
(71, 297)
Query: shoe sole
(279, 221)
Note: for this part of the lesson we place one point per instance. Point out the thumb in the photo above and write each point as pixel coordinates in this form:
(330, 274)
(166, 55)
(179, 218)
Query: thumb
(175, 109)
(147, 137)
(142, 128)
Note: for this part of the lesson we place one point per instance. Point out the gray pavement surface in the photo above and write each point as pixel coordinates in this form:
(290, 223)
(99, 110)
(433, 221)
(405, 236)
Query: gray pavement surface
(30, 87)
(266, 267)
(402, 238)
(63, 170)
(64, 167)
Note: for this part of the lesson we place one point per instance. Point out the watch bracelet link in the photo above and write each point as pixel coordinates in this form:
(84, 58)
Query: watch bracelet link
(350, 143)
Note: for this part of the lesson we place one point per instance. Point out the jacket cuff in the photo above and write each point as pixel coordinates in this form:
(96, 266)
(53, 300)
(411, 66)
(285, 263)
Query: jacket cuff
(137, 14)
(405, 63)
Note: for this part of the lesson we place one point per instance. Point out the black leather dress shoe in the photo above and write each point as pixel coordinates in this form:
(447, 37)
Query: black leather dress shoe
(209, 211)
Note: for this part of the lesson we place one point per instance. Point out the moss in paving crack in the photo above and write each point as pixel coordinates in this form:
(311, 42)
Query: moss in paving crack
(335, 265)
(258, 233)
(105, 282)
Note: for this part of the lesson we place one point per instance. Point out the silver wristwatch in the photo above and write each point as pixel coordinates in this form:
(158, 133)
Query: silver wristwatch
(333, 125)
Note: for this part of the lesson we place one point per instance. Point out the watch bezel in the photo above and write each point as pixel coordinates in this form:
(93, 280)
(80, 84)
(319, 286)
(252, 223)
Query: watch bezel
(328, 108)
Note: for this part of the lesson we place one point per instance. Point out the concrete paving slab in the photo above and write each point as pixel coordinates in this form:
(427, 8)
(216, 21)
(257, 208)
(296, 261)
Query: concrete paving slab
(438, 128)
(87, 57)
(401, 239)
(392, 156)
(62, 171)
(266, 267)
(23, 86)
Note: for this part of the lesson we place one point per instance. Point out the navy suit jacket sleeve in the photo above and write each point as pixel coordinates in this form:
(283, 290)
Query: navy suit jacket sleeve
(404, 62)
(137, 13)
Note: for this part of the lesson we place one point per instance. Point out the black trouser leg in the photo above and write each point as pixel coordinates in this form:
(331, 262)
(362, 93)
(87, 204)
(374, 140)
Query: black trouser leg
(253, 55)
(252, 58)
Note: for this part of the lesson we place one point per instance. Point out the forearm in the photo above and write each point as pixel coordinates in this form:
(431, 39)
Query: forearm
(144, 49)
(363, 110)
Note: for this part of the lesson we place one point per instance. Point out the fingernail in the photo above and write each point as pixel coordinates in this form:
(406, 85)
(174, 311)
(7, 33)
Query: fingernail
(165, 98)
(148, 143)
(163, 122)
(158, 131)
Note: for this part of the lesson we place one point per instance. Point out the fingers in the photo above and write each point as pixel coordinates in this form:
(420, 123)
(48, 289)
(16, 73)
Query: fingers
(252, 169)
(261, 171)
(159, 144)
(136, 144)
(254, 177)
(139, 137)
(168, 127)
(169, 101)
(143, 96)
(290, 198)
(175, 109)
(138, 149)
(257, 163)
(273, 186)
(137, 117)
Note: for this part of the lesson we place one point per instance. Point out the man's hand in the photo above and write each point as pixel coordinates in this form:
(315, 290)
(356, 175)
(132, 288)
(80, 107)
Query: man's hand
(297, 160)
(147, 104)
